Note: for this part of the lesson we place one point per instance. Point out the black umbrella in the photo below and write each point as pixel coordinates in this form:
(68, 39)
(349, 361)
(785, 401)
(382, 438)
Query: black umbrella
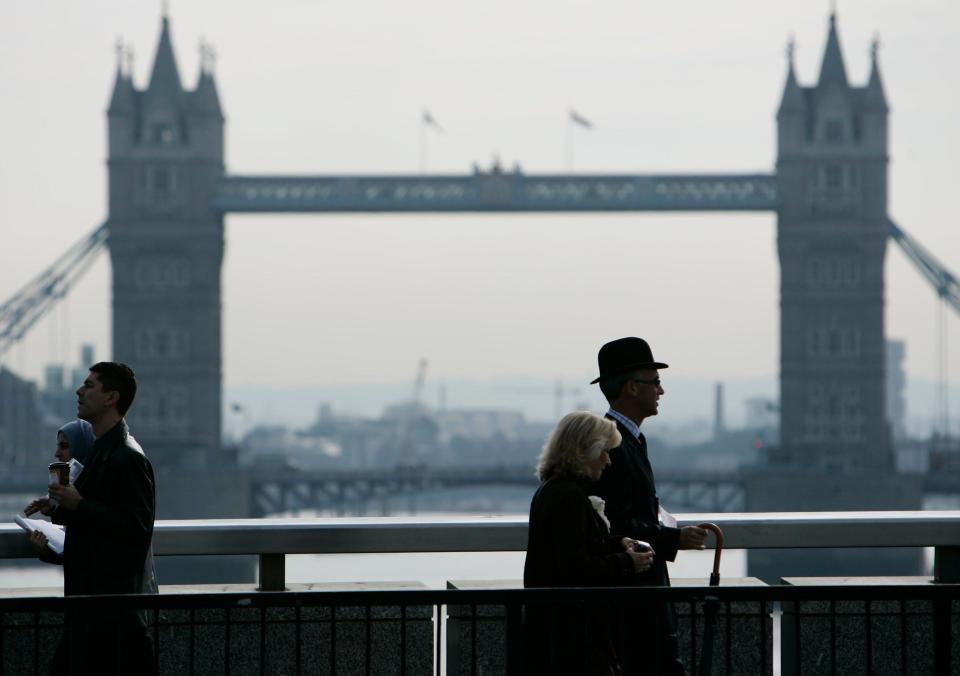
(710, 603)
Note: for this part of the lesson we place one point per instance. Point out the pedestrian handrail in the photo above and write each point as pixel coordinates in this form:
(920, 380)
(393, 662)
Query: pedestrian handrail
(372, 535)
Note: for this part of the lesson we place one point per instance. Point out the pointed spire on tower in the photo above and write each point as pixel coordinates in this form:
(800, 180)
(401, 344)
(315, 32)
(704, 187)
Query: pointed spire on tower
(121, 101)
(164, 78)
(874, 96)
(832, 69)
(205, 98)
(792, 99)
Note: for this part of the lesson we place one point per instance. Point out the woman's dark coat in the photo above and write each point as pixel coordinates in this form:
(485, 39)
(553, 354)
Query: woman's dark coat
(569, 546)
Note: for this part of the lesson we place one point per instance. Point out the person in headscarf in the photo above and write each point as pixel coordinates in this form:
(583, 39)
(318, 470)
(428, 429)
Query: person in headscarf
(74, 441)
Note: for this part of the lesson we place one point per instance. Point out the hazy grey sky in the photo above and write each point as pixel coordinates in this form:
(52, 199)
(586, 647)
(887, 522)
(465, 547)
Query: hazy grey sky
(326, 87)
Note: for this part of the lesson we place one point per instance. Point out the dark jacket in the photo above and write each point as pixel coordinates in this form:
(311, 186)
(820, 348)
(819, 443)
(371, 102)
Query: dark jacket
(629, 489)
(107, 550)
(630, 492)
(569, 545)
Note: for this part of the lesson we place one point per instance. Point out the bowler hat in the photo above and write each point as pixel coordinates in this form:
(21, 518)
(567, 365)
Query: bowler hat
(625, 354)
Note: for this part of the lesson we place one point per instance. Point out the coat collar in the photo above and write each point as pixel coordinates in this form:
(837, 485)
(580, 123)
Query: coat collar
(115, 436)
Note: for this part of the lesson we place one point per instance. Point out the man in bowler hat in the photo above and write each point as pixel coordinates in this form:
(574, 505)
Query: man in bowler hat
(630, 381)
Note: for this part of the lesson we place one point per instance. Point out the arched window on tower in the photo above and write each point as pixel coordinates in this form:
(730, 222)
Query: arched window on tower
(857, 128)
(834, 131)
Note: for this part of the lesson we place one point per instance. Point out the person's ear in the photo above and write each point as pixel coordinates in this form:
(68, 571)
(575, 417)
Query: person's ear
(112, 398)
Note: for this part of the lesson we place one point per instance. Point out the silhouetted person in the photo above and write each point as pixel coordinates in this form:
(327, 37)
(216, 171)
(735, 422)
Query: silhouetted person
(109, 517)
(74, 441)
(569, 545)
(630, 382)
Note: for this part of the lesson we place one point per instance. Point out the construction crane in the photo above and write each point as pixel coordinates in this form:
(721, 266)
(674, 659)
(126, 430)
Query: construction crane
(409, 413)
(948, 291)
(418, 384)
(19, 314)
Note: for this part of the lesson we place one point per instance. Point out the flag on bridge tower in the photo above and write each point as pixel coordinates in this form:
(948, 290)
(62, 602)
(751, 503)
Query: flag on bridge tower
(429, 121)
(577, 118)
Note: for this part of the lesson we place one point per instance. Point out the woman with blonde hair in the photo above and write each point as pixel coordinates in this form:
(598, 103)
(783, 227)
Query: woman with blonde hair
(569, 545)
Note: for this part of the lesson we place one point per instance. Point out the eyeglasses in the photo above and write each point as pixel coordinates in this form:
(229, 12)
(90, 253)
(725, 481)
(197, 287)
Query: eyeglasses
(655, 381)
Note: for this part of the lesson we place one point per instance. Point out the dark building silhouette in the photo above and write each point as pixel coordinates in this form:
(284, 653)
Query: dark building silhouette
(896, 389)
(24, 441)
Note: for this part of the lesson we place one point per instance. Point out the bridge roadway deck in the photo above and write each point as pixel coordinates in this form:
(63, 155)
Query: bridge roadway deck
(498, 192)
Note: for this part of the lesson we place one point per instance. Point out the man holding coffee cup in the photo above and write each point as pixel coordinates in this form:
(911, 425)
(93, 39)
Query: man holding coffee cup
(109, 515)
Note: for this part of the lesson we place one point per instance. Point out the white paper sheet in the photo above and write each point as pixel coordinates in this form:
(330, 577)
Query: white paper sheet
(55, 534)
(75, 468)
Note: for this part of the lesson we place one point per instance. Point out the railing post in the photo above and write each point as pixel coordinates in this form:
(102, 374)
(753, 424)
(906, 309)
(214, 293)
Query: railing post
(272, 572)
(946, 564)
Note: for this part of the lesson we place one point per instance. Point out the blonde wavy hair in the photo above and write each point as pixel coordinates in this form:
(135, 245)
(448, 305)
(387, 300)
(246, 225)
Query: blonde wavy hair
(579, 437)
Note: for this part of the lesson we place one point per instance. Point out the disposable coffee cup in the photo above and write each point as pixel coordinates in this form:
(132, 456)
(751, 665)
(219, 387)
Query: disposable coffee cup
(59, 473)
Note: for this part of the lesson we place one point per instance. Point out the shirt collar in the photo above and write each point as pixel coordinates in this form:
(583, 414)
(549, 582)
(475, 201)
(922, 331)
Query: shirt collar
(631, 426)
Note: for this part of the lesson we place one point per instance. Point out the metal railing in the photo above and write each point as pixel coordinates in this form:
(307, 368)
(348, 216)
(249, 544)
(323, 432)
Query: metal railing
(273, 539)
(895, 629)
(815, 628)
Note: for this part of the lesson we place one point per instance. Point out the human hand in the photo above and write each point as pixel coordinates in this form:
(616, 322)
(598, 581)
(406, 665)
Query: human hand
(39, 541)
(692, 537)
(641, 560)
(631, 545)
(68, 496)
(42, 505)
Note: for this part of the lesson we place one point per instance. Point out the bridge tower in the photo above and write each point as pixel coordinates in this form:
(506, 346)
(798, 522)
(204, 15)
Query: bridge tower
(832, 235)
(165, 159)
(835, 449)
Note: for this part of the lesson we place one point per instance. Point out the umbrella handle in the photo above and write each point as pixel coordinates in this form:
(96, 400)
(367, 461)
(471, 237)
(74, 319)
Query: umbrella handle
(718, 550)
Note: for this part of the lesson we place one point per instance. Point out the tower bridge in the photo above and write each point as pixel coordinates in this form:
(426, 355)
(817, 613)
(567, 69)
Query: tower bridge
(169, 190)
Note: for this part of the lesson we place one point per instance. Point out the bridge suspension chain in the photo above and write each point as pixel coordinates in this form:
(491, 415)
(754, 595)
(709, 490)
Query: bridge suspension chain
(948, 291)
(25, 308)
(943, 281)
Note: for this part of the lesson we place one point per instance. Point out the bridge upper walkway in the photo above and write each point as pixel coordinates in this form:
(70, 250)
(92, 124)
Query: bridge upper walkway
(498, 192)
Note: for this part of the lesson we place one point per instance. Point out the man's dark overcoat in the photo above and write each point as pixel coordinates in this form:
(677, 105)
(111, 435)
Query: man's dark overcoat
(633, 508)
(108, 551)
(569, 545)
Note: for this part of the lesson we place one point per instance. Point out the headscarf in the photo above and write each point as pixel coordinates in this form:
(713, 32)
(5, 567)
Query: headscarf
(80, 436)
